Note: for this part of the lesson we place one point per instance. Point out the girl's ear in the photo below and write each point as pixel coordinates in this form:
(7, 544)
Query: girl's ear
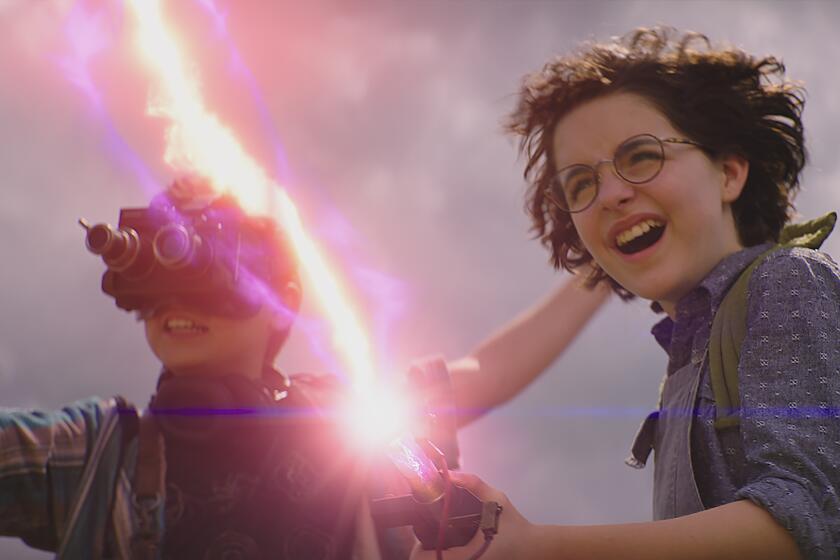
(736, 169)
(291, 295)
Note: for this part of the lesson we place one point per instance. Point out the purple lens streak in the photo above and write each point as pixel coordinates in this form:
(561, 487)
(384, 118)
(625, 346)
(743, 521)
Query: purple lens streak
(87, 33)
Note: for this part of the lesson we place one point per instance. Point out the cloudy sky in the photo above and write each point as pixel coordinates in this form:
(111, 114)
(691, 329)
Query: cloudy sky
(383, 118)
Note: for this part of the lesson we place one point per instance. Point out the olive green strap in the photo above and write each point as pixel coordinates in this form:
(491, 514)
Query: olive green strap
(729, 327)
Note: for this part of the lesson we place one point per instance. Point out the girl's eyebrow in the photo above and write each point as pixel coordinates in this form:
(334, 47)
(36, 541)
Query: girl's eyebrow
(577, 169)
(633, 141)
(571, 163)
(627, 143)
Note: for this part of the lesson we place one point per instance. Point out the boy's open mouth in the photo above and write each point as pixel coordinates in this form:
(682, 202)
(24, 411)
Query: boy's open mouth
(176, 325)
(639, 237)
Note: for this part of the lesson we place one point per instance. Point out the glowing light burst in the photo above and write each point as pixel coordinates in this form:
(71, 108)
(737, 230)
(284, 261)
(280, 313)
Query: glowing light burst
(378, 417)
(197, 142)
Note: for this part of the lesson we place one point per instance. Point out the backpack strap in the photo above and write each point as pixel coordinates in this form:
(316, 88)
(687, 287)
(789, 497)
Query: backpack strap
(729, 327)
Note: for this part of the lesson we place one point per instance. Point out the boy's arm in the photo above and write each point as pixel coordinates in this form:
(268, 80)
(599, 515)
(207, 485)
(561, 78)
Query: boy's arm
(506, 362)
(42, 455)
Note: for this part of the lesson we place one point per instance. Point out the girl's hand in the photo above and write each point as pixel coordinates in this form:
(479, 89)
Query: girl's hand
(508, 544)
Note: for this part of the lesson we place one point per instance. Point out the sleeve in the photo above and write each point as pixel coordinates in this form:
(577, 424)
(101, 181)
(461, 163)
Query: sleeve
(42, 456)
(789, 377)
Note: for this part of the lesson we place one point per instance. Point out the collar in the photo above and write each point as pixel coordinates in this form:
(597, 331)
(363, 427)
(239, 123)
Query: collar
(727, 271)
(708, 294)
(271, 378)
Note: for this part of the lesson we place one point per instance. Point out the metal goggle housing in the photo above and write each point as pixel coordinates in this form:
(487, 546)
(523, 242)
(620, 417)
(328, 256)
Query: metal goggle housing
(214, 257)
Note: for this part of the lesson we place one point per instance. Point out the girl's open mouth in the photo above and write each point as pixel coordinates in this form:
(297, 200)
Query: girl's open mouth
(640, 237)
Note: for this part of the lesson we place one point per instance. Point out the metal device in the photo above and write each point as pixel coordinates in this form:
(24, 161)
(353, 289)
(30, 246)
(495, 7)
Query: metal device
(212, 256)
(442, 514)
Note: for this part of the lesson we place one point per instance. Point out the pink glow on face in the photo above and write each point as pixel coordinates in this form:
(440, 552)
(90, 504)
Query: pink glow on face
(198, 142)
(90, 31)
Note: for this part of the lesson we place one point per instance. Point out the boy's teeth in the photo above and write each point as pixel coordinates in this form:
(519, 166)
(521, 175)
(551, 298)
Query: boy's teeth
(641, 228)
(183, 324)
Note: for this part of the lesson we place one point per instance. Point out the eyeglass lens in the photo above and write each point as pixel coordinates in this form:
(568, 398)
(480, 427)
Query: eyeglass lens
(636, 160)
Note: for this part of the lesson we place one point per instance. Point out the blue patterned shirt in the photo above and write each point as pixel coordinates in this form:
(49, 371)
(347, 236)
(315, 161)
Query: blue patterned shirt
(785, 455)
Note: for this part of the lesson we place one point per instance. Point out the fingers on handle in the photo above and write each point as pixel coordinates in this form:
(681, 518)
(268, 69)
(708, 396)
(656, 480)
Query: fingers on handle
(478, 487)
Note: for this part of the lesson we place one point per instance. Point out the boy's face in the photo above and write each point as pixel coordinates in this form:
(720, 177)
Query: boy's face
(690, 196)
(189, 341)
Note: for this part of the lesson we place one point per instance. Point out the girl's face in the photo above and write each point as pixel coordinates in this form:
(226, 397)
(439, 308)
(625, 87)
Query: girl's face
(686, 206)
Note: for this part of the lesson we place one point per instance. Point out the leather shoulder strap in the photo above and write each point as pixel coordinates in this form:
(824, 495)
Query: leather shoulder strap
(149, 490)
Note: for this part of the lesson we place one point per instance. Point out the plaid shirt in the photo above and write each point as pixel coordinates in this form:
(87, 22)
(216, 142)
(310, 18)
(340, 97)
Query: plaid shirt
(58, 479)
(65, 482)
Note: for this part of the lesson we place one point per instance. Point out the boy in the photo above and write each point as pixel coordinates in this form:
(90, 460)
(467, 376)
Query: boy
(232, 459)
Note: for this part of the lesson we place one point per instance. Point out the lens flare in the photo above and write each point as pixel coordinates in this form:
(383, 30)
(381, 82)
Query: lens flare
(377, 418)
(197, 142)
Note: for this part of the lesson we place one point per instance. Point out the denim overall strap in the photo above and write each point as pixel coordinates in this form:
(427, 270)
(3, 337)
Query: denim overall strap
(674, 488)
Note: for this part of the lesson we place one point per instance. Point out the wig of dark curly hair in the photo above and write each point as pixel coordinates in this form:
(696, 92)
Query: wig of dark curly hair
(725, 99)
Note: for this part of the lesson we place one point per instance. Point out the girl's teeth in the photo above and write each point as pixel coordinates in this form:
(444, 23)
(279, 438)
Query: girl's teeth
(639, 229)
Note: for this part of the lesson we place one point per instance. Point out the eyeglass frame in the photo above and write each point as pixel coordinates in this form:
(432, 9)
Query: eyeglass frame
(662, 141)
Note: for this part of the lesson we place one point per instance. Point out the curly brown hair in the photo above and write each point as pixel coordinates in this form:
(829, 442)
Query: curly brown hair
(721, 97)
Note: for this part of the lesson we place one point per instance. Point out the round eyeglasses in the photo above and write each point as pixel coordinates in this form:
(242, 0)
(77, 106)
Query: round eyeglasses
(637, 160)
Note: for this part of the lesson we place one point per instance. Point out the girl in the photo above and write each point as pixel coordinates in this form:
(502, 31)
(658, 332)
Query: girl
(664, 167)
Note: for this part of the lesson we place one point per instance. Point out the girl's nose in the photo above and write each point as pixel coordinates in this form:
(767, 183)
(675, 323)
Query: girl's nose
(613, 191)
